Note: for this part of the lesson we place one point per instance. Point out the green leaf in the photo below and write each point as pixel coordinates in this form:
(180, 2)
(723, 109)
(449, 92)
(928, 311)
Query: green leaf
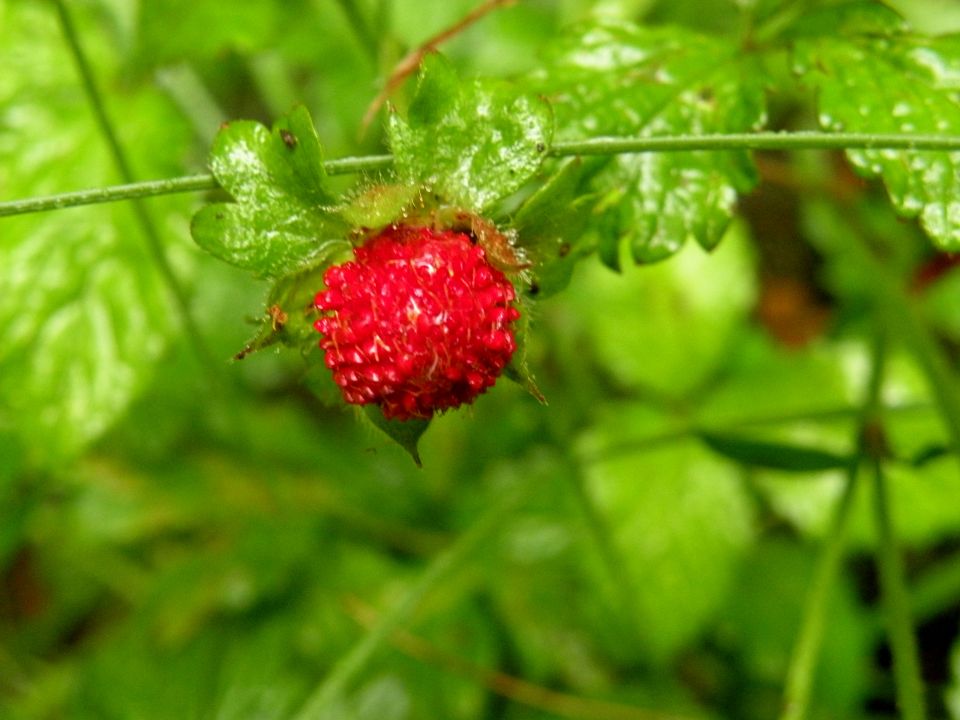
(683, 315)
(282, 219)
(473, 143)
(85, 314)
(680, 519)
(876, 78)
(619, 79)
(772, 455)
(406, 433)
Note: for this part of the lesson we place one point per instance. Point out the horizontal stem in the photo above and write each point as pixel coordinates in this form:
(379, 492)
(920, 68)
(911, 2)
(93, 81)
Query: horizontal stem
(190, 183)
(151, 188)
(592, 146)
(756, 141)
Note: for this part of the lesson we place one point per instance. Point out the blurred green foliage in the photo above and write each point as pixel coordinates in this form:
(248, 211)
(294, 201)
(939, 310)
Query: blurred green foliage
(181, 543)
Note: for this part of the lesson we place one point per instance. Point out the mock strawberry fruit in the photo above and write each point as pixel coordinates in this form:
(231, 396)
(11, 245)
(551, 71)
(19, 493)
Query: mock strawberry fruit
(418, 322)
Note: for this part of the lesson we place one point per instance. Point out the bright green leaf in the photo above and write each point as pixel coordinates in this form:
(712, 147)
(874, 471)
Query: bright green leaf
(626, 80)
(473, 143)
(282, 219)
(85, 313)
(667, 326)
(680, 519)
(873, 77)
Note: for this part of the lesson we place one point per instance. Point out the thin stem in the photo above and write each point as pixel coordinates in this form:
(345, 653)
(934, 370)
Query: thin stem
(803, 662)
(150, 233)
(365, 35)
(906, 665)
(151, 188)
(454, 557)
(905, 319)
(756, 141)
(130, 191)
(594, 146)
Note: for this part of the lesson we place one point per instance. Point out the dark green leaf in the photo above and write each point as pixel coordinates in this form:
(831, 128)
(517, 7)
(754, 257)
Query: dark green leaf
(282, 219)
(406, 433)
(953, 694)
(625, 80)
(877, 78)
(772, 455)
(473, 143)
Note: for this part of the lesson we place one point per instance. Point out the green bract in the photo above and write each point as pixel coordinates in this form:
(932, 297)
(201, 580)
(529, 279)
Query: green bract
(282, 218)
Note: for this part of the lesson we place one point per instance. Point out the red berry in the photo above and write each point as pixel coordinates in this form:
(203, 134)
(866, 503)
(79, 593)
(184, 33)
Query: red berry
(418, 322)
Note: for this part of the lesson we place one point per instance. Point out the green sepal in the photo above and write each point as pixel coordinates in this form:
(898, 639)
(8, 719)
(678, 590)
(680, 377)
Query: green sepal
(472, 143)
(288, 313)
(284, 216)
(406, 433)
(518, 370)
(378, 205)
(318, 378)
(552, 225)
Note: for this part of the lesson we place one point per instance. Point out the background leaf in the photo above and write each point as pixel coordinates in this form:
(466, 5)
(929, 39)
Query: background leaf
(875, 77)
(473, 143)
(86, 314)
(679, 538)
(772, 455)
(229, 541)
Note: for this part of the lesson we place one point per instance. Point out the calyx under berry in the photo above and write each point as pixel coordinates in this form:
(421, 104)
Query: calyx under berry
(418, 322)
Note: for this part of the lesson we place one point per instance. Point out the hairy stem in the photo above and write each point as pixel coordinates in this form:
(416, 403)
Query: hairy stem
(593, 146)
(130, 191)
(151, 188)
(755, 141)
